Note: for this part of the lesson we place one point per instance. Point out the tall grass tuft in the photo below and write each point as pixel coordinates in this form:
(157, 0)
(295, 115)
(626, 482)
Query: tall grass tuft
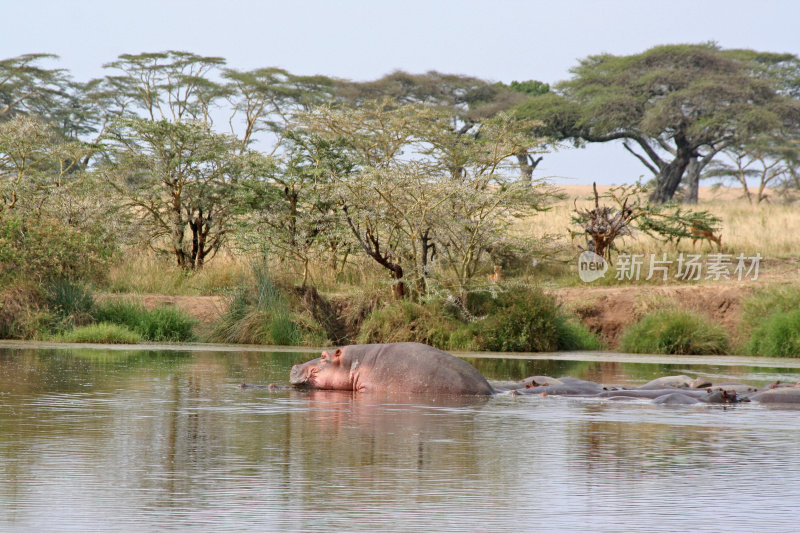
(102, 333)
(777, 336)
(163, 324)
(260, 313)
(675, 332)
(71, 302)
(572, 335)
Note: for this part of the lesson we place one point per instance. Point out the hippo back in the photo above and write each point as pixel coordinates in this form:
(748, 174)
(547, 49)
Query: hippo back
(413, 367)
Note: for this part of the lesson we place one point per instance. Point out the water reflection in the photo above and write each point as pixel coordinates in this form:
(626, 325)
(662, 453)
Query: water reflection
(146, 440)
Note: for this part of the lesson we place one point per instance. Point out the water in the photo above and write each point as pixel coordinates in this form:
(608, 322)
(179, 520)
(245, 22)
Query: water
(97, 440)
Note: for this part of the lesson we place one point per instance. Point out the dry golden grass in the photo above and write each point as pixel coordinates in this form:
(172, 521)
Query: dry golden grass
(767, 228)
(137, 272)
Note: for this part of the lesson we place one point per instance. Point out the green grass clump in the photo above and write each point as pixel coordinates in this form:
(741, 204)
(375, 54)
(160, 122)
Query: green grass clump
(777, 336)
(408, 321)
(522, 320)
(675, 332)
(71, 302)
(163, 324)
(103, 333)
(572, 335)
(260, 313)
(528, 320)
(765, 302)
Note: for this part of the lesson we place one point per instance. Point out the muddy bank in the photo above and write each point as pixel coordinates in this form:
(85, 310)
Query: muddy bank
(609, 310)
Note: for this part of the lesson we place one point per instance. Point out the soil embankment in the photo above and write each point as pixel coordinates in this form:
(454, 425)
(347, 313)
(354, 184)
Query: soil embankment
(609, 310)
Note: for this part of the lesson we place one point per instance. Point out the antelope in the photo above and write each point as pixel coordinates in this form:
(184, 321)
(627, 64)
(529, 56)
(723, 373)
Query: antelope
(699, 233)
(497, 275)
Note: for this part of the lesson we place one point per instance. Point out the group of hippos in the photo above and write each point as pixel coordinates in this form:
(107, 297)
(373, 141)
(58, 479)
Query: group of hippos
(418, 368)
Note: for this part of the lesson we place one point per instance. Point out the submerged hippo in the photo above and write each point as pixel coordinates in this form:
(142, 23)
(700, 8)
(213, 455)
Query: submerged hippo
(395, 367)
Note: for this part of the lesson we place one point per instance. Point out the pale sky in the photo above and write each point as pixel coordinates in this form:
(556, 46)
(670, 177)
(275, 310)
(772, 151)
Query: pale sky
(498, 40)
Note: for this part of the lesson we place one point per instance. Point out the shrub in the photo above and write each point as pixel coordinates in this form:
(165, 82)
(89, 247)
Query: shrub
(23, 313)
(103, 333)
(777, 336)
(408, 321)
(163, 324)
(573, 335)
(522, 321)
(675, 332)
(42, 249)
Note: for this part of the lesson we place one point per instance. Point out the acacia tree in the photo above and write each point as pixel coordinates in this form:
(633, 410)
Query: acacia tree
(179, 178)
(171, 85)
(290, 213)
(265, 99)
(419, 189)
(27, 88)
(38, 167)
(672, 105)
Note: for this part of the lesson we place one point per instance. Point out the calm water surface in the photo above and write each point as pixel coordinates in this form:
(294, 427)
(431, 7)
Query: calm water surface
(96, 440)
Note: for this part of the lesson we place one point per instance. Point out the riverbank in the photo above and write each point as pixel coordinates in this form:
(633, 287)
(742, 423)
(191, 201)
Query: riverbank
(605, 310)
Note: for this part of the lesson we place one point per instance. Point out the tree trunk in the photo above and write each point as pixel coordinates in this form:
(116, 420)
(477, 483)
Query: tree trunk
(692, 181)
(399, 287)
(668, 179)
(527, 164)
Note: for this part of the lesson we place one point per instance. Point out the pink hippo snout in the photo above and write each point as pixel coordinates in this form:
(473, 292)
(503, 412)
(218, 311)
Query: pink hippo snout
(329, 371)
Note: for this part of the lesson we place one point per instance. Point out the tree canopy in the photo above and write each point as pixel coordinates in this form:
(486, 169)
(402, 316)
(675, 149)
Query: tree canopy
(671, 105)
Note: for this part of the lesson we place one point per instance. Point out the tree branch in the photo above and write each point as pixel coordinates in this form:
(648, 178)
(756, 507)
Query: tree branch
(653, 169)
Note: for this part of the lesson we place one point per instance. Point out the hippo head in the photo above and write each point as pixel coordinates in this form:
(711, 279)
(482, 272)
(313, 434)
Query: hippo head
(326, 372)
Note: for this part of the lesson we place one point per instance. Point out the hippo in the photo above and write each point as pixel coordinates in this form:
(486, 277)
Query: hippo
(675, 399)
(395, 367)
(780, 395)
(649, 393)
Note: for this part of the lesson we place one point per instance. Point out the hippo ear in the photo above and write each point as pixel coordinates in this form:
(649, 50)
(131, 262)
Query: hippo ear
(337, 355)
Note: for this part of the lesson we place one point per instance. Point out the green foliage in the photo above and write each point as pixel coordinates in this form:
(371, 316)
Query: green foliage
(164, 324)
(763, 303)
(524, 320)
(72, 302)
(408, 321)
(43, 250)
(104, 333)
(572, 335)
(260, 313)
(777, 336)
(530, 87)
(675, 332)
